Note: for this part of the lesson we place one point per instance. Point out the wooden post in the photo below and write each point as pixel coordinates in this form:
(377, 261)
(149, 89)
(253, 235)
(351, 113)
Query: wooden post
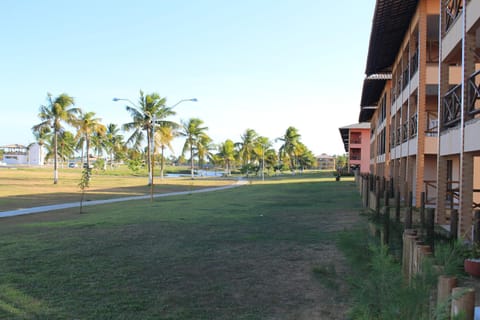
(397, 206)
(422, 211)
(368, 192)
(409, 237)
(476, 227)
(444, 289)
(463, 302)
(408, 217)
(454, 224)
(386, 221)
(382, 190)
(431, 228)
(385, 198)
(392, 187)
(377, 198)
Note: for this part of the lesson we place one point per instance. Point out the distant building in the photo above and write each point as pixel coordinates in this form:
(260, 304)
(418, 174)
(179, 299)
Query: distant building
(356, 140)
(325, 162)
(18, 154)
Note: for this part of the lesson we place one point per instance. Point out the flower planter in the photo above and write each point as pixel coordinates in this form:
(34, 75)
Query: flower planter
(472, 267)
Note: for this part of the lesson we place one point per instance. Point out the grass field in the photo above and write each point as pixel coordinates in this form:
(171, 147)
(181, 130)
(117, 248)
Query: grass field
(261, 251)
(26, 187)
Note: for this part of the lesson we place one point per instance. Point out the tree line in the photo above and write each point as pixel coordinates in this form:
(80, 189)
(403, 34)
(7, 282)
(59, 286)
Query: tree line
(252, 154)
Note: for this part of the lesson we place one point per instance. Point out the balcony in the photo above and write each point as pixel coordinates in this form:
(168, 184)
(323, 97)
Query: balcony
(452, 10)
(451, 107)
(414, 64)
(405, 77)
(413, 126)
(405, 132)
(473, 94)
(432, 124)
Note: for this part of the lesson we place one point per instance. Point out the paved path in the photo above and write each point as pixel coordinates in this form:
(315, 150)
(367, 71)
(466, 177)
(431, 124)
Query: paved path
(19, 212)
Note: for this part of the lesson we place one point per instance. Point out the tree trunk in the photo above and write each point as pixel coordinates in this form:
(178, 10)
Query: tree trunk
(149, 160)
(55, 169)
(191, 161)
(162, 162)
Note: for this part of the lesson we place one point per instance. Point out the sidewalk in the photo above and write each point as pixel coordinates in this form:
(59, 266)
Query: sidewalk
(18, 212)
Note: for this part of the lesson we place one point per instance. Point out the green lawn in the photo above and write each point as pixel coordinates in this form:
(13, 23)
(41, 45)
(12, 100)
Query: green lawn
(261, 251)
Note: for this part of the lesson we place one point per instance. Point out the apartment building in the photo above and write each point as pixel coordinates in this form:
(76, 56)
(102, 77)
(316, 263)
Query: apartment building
(16, 154)
(400, 95)
(325, 162)
(356, 140)
(421, 96)
(458, 173)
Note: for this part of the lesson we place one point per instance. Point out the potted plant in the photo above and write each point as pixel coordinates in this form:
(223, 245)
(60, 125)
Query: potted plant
(471, 263)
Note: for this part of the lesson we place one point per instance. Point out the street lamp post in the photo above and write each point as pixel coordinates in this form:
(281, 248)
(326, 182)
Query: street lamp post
(153, 118)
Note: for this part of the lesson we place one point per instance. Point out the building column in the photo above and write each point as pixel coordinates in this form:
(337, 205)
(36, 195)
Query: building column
(441, 215)
(466, 196)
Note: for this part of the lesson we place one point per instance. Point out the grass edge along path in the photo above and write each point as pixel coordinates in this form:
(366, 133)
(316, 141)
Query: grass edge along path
(257, 252)
(18, 212)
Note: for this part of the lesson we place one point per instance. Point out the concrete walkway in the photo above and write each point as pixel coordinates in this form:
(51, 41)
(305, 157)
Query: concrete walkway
(18, 212)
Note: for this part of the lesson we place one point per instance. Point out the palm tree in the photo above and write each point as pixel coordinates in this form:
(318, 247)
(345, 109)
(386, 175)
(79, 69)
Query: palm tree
(151, 108)
(164, 135)
(246, 146)
(113, 142)
(88, 126)
(66, 146)
(204, 148)
(193, 132)
(261, 145)
(305, 157)
(291, 142)
(52, 115)
(227, 154)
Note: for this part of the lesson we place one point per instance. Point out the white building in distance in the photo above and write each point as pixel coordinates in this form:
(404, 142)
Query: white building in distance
(16, 154)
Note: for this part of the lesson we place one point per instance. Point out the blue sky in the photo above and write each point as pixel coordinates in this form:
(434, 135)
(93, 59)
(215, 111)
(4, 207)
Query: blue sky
(259, 64)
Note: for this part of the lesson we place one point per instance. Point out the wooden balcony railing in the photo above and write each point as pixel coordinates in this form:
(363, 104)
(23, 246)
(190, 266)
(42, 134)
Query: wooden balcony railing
(405, 77)
(430, 192)
(413, 126)
(405, 132)
(414, 63)
(452, 11)
(474, 93)
(453, 195)
(432, 124)
(451, 105)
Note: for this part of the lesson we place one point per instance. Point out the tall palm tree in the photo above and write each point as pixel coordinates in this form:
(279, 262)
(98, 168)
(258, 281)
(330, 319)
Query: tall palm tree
(193, 131)
(291, 142)
(66, 146)
(204, 148)
(227, 154)
(164, 135)
(113, 142)
(151, 108)
(57, 111)
(247, 145)
(88, 126)
(261, 145)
